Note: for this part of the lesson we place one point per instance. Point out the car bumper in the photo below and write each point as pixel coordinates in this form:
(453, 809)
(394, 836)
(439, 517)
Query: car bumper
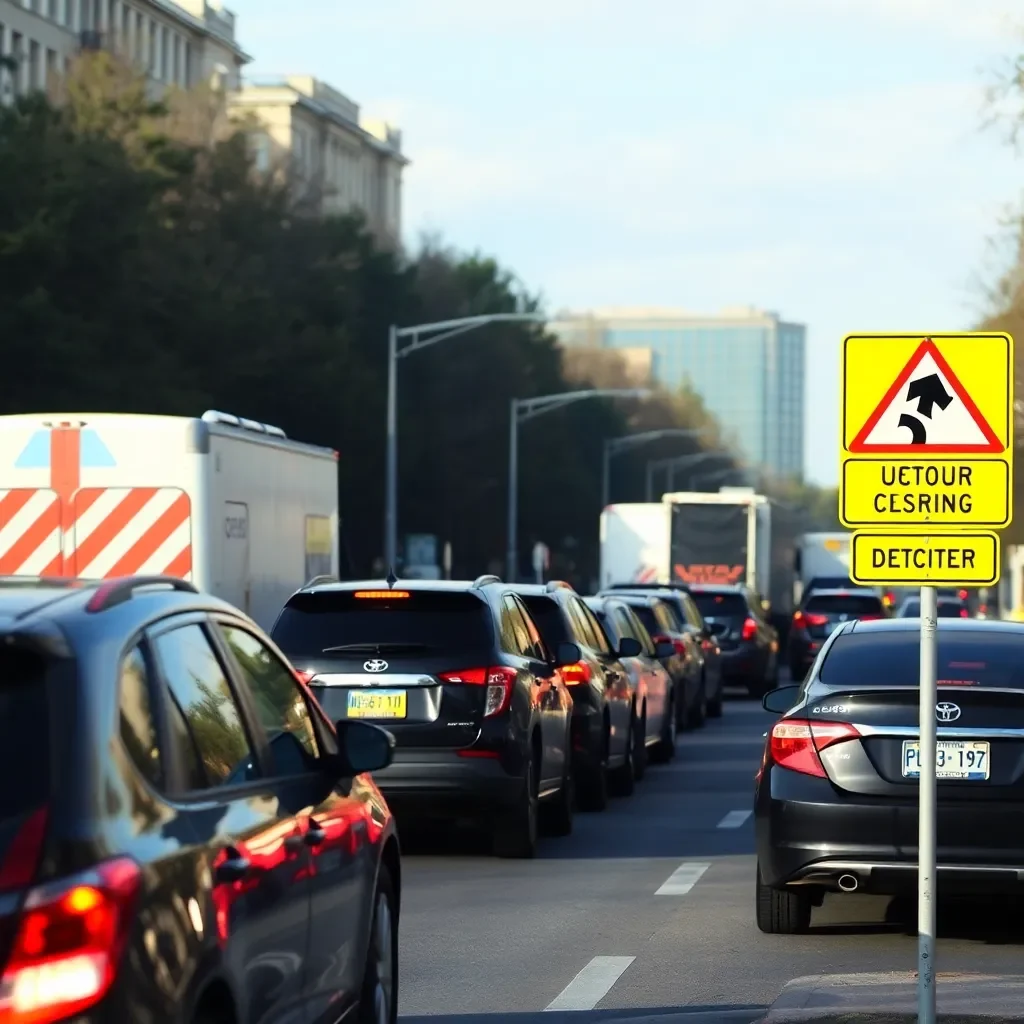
(444, 784)
(743, 663)
(808, 834)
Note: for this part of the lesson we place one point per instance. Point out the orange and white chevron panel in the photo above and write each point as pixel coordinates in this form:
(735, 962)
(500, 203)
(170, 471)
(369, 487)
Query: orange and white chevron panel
(30, 532)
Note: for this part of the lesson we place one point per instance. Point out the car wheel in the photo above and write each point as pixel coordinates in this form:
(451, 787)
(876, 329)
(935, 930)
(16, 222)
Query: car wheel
(515, 833)
(623, 779)
(782, 911)
(699, 711)
(557, 813)
(640, 748)
(378, 1001)
(666, 748)
(592, 785)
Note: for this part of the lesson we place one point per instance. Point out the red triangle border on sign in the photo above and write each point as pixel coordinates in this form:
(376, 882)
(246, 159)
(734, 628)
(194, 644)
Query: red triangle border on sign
(927, 347)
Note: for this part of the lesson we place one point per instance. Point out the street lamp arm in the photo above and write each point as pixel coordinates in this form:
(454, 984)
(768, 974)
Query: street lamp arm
(528, 408)
(453, 328)
(622, 444)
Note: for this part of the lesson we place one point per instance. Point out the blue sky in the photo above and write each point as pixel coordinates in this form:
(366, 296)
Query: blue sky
(822, 158)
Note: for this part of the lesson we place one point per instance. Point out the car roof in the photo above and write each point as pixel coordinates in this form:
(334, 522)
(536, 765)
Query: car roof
(717, 588)
(450, 586)
(844, 592)
(675, 593)
(909, 625)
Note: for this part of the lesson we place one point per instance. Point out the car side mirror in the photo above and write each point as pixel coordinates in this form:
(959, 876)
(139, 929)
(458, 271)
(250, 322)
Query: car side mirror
(630, 647)
(363, 747)
(664, 649)
(567, 653)
(781, 699)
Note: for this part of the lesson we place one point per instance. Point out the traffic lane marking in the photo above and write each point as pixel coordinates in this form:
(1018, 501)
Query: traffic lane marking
(592, 984)
(683, 879)
(734, 819)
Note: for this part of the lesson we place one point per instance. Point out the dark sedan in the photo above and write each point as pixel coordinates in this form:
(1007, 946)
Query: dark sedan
(836, 797)
(819, 614)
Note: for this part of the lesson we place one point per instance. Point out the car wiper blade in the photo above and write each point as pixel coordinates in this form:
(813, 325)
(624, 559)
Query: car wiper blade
(395, 648)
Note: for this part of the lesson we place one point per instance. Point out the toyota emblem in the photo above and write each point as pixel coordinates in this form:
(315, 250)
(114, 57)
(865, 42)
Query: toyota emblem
(380, 665)
(945, 711)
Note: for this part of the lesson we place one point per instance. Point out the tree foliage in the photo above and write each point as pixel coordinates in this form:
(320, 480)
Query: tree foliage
(145, 267)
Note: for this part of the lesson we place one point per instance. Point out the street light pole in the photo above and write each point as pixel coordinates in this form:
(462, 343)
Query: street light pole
(679, 462)
(617, 445)
(423, 336)
(523, 409)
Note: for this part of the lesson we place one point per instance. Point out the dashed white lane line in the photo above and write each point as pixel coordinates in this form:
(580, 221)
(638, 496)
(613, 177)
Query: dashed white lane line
(592, 984)
(734, 819)
(683, 879)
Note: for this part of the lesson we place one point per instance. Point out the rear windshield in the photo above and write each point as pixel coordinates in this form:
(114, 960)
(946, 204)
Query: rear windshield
(549, 619)
(714, 605)
(844, 604)
(24, 733)
(423, 621)
(830, 583)
(982, 658)
(947, 610)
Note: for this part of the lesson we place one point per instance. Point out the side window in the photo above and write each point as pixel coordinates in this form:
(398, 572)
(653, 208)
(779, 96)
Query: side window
(536, 640)
(209, 713)
(664, 619)
(520, 639)
(580, 626)
(623, 625)
(280, 703)
(693, 615)
(506, 630)
(138, 729)
(601, 639)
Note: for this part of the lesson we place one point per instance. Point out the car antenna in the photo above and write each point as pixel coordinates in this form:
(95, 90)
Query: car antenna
(392, 579)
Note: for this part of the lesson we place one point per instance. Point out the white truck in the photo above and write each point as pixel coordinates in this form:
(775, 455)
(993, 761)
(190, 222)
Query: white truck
(689, 537)
(820, 556)
(230, 504)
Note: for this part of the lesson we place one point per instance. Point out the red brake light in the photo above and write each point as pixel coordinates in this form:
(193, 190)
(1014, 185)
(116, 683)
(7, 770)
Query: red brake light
(749, 630)
(500, 682)
(796, 743)
(801, 620)
(69, 943)
(380, 595)
(963, 613)
(962, 595)
(578, 672)
(680, 646)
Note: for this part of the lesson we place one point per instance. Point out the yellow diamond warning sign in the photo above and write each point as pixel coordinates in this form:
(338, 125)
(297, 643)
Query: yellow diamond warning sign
(927, 431)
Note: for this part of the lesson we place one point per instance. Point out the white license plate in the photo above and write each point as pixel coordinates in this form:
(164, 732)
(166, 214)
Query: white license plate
(954, 759)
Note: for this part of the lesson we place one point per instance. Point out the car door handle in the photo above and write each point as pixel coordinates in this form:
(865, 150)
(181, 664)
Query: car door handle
(234, 869)
(315, 836)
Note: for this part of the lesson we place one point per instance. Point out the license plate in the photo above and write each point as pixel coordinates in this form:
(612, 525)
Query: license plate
(954, 759)
(376, 704)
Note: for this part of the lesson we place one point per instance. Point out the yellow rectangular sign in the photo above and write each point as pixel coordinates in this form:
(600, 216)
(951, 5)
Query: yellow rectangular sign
(907, 493)
(947, 558)
(927, 431)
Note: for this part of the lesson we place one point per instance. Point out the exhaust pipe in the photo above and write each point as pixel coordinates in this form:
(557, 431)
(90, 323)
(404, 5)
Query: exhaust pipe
(848, 883)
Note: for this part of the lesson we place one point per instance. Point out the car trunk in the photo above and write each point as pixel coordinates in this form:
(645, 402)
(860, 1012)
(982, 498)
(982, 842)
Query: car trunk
(872, 685)
(724, 614)
(415, 663)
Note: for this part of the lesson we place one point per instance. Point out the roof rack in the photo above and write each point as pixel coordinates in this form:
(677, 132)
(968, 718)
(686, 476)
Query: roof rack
(215, 416)
(317, 580)
(554, 585)
(114, 592)
(487, 578)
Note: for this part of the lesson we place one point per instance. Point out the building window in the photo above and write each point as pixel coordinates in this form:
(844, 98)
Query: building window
(36, 68)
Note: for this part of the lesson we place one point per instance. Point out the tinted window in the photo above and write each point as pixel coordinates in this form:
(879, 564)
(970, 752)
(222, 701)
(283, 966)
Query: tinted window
(982, 658)
(603, 646)
(693, 615)
(198, 683)
(712, 605)
(24, 734)
(424, 621)
(844, 604)
(279, 702)
(549, 619)
(666, 621)
(138, 730)
(646, 616)
(536, 640)
(672, 607)
(610, 624)
(947, 610)
(640, 631)
(831, 583)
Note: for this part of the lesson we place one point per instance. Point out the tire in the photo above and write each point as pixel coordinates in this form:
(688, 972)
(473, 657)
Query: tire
(378, 1000)
(557, 813)
(592, 784)
(622, 781)
(699, 711)
(666, 747)
(515, 832)
(640, 748)
(782, 911)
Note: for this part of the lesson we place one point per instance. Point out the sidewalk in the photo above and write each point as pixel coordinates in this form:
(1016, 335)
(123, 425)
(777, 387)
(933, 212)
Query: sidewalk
(891, 998)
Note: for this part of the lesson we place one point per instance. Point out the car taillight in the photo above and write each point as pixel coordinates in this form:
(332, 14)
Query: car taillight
(749, 630)
(679, 645)
(69, 943)
(796, 743)
(305, 675)
(962, 594)
(578, 672)
(801, 620)
(963, 613)
(499, 680)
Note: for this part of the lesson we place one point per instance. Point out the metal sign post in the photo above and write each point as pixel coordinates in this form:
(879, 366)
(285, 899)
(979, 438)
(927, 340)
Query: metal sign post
(927, 796)
(925, 479)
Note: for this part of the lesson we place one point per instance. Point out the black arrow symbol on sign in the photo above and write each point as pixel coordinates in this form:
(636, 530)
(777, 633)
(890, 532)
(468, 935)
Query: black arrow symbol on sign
(928, 391)
(916, 428)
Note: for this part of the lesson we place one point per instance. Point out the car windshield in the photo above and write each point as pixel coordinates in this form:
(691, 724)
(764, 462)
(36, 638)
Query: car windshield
(884, 658)
(435, 621)
(844, 604)
(712, 604)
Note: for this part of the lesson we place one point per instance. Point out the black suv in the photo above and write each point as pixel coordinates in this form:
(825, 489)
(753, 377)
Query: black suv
(184, 835)
(459, 673)
(603, 725)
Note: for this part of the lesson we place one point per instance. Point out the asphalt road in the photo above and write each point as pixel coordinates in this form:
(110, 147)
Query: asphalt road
(648, 909)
